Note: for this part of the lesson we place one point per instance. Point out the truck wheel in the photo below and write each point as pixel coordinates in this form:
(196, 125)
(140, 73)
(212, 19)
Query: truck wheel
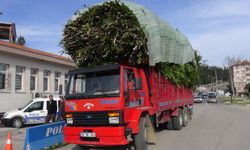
(17, 123)
(141, 139)
(170, 124)
(178, 121)
(185, 117)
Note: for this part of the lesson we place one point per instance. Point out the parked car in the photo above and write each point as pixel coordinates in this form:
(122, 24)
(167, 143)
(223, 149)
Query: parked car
(212, 97)
(212, 100)
(198, 99)
(34, 112)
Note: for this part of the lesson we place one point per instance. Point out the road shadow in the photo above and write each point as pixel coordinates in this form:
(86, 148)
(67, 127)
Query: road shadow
(130, 146)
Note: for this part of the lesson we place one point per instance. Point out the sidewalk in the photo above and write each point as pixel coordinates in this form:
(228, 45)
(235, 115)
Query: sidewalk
(18, 137)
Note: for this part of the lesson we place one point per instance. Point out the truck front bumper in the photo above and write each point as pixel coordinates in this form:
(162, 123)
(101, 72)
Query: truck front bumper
(105, 136)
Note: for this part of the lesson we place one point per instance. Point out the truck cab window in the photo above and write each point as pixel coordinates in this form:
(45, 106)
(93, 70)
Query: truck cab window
(95, 84)
(129, 85)
(78, 84)
(130, 79)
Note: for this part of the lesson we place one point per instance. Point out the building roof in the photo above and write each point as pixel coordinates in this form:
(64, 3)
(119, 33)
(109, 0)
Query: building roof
(243, 63)
(35, 54)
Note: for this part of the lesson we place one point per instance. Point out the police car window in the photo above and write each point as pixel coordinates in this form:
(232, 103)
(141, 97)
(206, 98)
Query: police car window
(36, 106)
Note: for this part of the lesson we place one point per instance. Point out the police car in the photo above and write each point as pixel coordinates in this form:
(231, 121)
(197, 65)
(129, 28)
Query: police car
(34, 112)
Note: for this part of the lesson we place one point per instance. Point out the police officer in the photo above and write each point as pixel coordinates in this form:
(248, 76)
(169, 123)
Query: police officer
(52, 108)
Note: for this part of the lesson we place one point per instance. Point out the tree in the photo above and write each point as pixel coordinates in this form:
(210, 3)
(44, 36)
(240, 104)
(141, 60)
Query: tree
(21, 40)
(229, 63)
(209, 73)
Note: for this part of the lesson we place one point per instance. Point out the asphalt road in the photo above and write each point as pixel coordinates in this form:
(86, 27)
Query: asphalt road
(18, 137)
(214, 127)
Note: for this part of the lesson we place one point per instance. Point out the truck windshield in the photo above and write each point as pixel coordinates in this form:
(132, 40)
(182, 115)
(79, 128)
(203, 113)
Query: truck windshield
(100, 84)
(211, 94)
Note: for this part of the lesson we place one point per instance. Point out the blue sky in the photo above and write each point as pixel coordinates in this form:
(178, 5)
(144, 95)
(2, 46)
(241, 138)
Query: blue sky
(216, 28)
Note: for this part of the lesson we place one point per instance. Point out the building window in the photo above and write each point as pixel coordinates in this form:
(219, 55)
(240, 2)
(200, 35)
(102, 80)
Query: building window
(3, 70)
(45, 84)
(46, 75)
(57, 77)
(33, 76)
(56, 85)
(19, 77)
(66, 76)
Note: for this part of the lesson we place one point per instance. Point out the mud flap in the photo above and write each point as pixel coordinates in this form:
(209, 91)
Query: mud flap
(190, 112)
(150, 131)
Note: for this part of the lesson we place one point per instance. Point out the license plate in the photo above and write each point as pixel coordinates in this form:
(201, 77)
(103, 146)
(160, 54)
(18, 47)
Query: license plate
(88, 134)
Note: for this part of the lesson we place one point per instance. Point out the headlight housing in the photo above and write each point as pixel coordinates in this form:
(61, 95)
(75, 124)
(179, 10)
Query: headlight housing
(114, 120)
(114, 117)
(69, 119)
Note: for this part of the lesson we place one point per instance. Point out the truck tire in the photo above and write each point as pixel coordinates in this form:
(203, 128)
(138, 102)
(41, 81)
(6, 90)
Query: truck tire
(141, 139)
(17, 122)
(170, 124)
(185, 117)
(178, 121)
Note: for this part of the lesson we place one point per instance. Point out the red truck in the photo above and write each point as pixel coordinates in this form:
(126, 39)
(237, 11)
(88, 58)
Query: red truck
(115, 104)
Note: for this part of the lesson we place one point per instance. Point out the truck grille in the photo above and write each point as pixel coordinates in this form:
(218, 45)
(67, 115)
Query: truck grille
(90, 118)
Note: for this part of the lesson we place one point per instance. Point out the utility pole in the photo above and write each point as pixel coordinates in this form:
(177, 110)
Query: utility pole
(215, 80)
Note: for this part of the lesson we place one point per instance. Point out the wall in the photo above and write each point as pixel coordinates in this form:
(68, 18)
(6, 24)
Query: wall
(12, 99)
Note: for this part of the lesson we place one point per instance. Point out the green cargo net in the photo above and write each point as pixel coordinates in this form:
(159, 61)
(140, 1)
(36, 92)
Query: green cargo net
(165, 44)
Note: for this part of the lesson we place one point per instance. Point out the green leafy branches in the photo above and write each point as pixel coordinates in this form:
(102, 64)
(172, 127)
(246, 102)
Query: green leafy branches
(186, 75)
(107, 33)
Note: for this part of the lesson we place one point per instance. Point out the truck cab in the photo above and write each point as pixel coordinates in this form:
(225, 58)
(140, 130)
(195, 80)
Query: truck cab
(212, 97)
(101, 103)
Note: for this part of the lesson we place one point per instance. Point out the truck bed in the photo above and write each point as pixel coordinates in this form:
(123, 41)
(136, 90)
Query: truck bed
(165, 95)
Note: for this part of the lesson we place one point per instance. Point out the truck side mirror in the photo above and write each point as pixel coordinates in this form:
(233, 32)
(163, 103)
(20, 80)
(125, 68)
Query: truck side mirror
(138, 83)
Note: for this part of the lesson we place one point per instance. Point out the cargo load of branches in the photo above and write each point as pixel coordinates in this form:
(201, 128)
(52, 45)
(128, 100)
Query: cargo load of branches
(127, 33)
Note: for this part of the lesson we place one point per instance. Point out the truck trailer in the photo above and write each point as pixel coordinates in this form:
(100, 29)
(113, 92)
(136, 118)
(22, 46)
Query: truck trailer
(113, 105)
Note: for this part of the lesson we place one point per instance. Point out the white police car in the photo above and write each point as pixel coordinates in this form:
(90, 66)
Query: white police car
(34, 112)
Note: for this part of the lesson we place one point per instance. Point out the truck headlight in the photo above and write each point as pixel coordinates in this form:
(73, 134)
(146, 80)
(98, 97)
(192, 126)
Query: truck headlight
(69, 120)
(114, 117)
(114, 120)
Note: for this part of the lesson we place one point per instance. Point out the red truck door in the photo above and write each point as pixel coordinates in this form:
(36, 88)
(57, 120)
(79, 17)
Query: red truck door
(133, 96)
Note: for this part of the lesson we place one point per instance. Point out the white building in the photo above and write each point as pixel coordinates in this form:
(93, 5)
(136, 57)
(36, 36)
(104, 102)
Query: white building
(25, 72)
(241, 74)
